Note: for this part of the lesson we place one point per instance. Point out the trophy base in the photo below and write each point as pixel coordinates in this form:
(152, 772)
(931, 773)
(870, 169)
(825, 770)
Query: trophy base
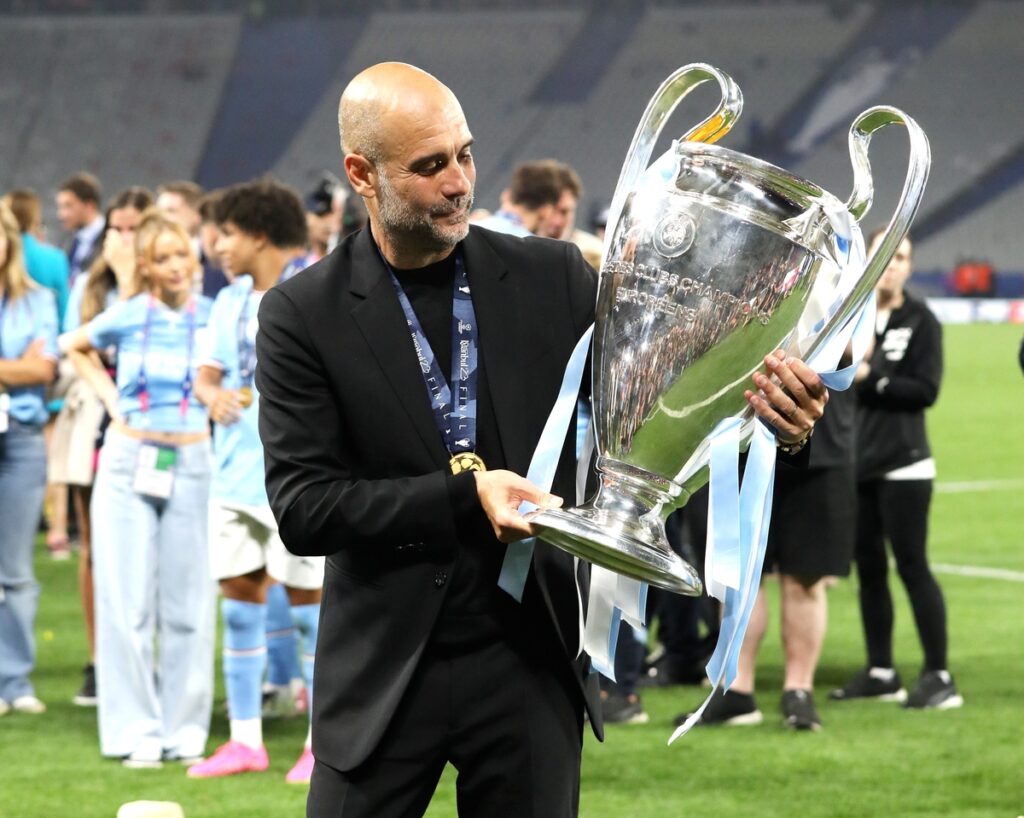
(612, 542)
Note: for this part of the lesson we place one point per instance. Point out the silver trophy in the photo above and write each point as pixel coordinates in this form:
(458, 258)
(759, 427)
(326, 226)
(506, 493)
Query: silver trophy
(712, 259)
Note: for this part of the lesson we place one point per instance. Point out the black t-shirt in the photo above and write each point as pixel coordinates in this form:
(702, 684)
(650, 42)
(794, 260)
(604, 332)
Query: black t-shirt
(474, 605)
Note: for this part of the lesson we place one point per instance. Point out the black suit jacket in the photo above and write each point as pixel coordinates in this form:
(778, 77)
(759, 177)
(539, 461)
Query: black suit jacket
(357, 470)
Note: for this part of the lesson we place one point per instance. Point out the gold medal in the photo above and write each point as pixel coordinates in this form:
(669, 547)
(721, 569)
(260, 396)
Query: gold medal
(245, 396)
(466, 461)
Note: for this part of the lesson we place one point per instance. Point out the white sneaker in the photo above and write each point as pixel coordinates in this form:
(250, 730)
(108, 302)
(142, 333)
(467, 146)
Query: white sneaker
(28, 704)
(134, 762)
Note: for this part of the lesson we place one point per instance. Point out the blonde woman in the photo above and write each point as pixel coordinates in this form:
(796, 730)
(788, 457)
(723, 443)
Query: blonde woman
(28, 355)
(154, 601)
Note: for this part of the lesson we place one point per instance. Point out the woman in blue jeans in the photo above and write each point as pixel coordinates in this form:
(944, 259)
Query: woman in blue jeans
(28, 355)
(155, 613)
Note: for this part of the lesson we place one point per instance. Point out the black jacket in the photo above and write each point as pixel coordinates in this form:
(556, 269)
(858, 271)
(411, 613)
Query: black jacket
(906, 370)
(357, 470)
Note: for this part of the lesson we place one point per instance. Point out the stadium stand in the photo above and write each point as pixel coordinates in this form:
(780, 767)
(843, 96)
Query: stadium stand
(129, 99)
(217, 97)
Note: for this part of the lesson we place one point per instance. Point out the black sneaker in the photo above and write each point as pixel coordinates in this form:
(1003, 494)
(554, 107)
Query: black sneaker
(619, 709)
(798, 712)
(727, 709)
(934, 690)
(872, 683)
(86, 695)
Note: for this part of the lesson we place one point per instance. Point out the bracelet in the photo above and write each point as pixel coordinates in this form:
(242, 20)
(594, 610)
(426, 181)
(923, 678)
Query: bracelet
(794, 448)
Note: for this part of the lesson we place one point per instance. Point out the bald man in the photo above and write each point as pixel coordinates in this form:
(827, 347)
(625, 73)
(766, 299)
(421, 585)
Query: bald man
(422, 658)
(409, 481)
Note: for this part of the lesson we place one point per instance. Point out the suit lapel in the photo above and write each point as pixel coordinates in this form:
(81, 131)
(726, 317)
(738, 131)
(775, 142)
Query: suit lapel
(380, 319)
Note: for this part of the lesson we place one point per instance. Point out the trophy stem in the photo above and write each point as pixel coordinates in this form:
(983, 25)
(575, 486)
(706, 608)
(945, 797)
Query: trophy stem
(622, 529)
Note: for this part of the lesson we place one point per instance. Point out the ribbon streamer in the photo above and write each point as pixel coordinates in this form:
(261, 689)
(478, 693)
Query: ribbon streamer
(519, 555)
(754, 503)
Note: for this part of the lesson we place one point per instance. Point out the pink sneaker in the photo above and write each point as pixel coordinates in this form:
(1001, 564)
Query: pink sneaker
(230, 759)
(303, 769)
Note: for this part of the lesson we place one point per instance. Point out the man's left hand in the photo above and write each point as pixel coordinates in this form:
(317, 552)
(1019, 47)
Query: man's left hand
(792, 400)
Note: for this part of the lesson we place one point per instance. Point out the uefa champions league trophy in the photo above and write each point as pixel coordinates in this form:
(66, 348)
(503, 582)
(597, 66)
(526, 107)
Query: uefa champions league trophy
(711, 260)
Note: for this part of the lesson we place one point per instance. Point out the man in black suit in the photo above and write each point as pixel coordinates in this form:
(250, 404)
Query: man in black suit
(422, 659)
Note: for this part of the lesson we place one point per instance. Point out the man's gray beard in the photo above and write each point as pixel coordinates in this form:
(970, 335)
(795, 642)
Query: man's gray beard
(410, 228)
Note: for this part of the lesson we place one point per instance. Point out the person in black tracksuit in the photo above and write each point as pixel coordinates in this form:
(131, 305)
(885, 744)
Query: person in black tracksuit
(895, 471)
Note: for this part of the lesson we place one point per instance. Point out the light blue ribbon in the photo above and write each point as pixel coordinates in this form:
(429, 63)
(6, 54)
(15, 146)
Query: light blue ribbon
(755, 511)
(519, 555)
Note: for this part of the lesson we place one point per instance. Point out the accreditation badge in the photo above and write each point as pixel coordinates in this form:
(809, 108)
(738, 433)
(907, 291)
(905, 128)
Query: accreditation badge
(154, 471)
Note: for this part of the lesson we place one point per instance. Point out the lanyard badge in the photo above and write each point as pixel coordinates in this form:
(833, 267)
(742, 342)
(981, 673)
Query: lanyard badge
(154, 471)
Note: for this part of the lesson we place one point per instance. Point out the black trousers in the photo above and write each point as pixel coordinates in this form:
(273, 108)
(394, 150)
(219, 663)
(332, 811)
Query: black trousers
(512, 728)
(897, 511)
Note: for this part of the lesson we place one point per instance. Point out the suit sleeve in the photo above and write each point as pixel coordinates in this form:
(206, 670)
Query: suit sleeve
(320, 505)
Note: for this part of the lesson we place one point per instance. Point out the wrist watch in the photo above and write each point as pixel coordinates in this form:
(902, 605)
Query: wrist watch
(793, 448)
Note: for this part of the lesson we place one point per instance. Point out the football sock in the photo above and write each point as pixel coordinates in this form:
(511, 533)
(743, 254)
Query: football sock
(282, 650)
(245, 658)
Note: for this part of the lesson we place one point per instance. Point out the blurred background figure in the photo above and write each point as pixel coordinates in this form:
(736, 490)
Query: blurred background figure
(895, 473)
(79, 427)
(28, 356)
(323, 219)
(261, 222)
(561, 224)
(149, 509)
(78, 210)
(48, 267)
(209, 232)
(180, 202)
(528, 202)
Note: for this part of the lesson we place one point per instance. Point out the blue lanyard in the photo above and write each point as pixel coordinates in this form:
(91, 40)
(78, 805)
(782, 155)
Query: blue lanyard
(246, 350)
(141, 382)
(456, 420)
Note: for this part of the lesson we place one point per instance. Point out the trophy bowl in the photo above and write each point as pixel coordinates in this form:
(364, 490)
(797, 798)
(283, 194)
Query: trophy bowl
(710, 260)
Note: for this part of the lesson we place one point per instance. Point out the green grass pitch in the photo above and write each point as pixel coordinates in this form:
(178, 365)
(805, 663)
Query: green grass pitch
(870, 759)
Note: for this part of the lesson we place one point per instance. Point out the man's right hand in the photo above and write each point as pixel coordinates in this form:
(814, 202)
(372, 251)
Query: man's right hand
(501, 493)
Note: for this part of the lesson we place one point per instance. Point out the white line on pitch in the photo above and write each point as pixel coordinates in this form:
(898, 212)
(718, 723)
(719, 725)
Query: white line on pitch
(978, 571)
(978, 485)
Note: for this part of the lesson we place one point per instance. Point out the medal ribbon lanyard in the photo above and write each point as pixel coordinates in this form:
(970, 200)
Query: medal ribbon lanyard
(142, 383)
(454, 408)
(246, 350)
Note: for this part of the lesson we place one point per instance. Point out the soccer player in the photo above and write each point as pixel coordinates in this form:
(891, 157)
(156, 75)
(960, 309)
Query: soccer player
(263, 231)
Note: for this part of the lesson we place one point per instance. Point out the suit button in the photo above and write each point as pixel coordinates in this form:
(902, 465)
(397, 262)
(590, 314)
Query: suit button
(440, 578)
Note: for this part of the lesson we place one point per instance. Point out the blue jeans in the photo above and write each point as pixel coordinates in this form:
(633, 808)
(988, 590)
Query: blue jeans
(22, 486)
(155, 606)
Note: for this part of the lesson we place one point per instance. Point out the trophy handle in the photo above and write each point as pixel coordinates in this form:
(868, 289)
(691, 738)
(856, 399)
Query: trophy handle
(860, 199)
(659, 109)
